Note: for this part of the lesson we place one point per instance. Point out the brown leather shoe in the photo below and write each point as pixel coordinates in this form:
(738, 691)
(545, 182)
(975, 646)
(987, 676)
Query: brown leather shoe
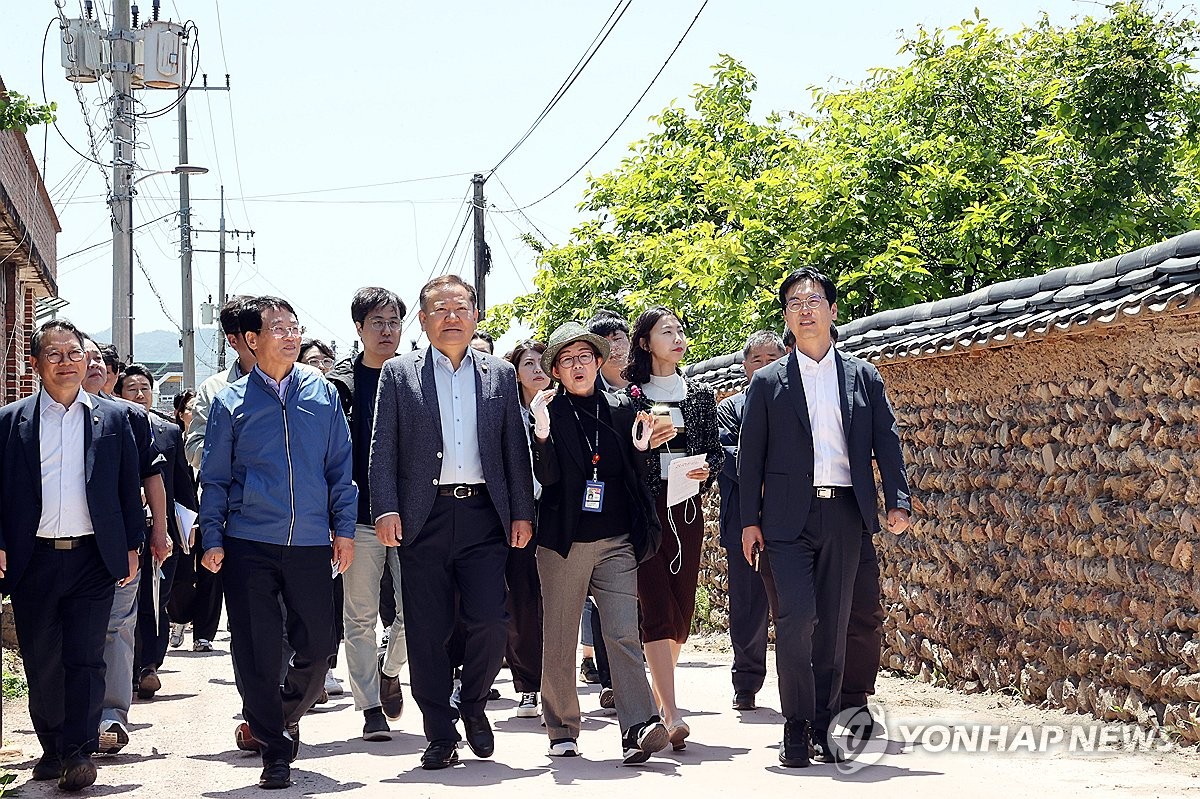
(245, 739)
(148, 683)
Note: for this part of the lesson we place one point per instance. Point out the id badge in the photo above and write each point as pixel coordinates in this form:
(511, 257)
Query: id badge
(593, 496)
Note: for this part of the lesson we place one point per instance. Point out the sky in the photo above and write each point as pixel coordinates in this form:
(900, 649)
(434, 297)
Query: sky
(349, 137)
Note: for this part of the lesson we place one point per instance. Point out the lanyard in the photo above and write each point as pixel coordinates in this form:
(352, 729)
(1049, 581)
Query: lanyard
(595, 448)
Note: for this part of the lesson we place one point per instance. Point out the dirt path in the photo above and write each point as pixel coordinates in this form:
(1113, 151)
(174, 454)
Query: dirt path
(182, 746)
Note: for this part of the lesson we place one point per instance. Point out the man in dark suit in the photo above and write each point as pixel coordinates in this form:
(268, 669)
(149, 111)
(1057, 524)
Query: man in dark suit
(812, 422)
(71, 525)
(749, 597)
(136, 385)
(451, 482)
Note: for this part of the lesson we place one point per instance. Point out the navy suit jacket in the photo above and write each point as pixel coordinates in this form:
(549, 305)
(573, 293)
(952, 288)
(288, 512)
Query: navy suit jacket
(177, 474)
(775, 455)
(406, 444)
(110, 470)
(729, 427)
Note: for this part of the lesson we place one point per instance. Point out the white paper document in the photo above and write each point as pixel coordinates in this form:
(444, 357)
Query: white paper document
(679, 486)
(187, 519)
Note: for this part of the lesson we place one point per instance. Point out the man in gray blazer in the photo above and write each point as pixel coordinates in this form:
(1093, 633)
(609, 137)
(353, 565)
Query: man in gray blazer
(812, 422)
(451, 483)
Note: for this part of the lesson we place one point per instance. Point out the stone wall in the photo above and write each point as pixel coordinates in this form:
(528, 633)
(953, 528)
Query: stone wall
(1057, 523)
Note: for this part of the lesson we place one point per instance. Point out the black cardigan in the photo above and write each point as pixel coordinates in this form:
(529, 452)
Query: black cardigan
(563, 470)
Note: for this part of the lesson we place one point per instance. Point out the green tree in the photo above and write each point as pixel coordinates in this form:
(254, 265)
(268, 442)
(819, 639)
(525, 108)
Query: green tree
(986, 156)
(18, 113)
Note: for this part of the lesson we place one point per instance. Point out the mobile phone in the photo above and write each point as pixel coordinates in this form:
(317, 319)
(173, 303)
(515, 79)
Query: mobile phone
(335, 566)
(755, 551)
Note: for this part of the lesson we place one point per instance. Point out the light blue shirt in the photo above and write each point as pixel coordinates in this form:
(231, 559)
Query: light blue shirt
(280, 387)
(456, 391)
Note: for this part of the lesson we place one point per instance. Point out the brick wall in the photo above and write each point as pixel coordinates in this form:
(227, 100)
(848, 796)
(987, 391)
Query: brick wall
(18, 379)
(22, 189)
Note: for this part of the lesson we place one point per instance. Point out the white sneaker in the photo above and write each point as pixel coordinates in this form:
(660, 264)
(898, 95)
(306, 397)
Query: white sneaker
(527, 708)
(176, 636)
(333, 686)
(564, 748)
(113, 738)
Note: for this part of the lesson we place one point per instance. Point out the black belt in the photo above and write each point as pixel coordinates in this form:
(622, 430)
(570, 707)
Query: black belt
(64, 543)
(462, 490)
(832, 492)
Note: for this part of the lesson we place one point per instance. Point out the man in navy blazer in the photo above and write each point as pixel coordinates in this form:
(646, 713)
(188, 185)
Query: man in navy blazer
(71, 525)
(812, 422)
(750, 594)
(451, 482)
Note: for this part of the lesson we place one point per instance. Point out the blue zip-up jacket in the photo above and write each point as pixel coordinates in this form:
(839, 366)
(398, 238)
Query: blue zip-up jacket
(277, 471)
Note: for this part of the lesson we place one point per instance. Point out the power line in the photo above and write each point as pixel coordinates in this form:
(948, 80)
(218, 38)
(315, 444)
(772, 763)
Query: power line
(624, 119)
(597, 42)
(521, 211)
(511, 261)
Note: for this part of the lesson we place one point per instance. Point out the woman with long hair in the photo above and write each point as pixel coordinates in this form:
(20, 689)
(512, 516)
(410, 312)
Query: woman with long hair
(667, 581)
(524, 648)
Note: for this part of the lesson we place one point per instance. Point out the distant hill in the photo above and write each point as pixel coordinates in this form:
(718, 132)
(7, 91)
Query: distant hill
(163, 346)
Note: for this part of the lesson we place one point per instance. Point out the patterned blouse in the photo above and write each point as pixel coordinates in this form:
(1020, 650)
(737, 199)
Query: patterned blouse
(699, 410)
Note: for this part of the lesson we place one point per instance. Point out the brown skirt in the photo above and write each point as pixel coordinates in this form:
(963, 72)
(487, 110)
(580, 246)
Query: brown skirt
(667, 580)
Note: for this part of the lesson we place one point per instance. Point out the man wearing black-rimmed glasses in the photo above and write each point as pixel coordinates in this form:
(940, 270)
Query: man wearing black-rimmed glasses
(813, 424)
(71, 525)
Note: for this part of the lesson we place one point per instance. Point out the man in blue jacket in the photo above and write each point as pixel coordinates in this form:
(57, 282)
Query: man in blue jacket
(277, 512)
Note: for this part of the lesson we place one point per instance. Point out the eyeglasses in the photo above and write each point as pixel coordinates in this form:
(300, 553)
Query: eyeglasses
(294, 331)
(379, 325)
(56, 357)
(811, 302)
(461, 311)
(583, 359)
(320, 362)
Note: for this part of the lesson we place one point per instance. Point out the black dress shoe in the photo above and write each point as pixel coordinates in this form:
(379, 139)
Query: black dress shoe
(479, 735)
(48, 767)
(77, 773)
(440, 754)
(793, 751)
(827, 751)
(391, 695)
(860, 723)
(743, 700)
(293, 730)
(275, 776)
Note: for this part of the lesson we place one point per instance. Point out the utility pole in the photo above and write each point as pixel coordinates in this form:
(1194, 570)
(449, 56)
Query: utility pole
(121, 40)
(221, 251)
(221, 281)
(482, 256)
(188, 341)
(185, 251)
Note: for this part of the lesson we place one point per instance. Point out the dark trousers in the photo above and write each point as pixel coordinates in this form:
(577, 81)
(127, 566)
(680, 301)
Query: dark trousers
(339, 623)
(387, 600)
(599, 647)
(61, 608)
(196, 596)
(864, 633)
(262, 581)
(150, 640)
(814, 583)
(461, 548)
(524, 650)
(750, 605)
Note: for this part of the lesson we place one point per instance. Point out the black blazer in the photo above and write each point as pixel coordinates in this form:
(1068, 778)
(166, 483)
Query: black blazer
(177, 475)
(111, 472)
(729, 425)
(775, 454)
(563, 468)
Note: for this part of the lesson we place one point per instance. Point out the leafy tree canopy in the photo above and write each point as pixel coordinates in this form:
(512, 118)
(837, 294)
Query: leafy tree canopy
(18, 113)
(987, 156)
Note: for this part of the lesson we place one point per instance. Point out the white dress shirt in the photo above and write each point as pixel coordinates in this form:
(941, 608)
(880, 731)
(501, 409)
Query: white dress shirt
(461, 461)
(61, 436)
(831, 460)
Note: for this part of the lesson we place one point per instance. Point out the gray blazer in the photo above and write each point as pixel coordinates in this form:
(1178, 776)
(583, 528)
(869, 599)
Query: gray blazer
(406, 445)
(775, 454)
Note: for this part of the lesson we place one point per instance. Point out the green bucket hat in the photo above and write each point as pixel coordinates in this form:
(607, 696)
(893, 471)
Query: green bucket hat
(569, 333)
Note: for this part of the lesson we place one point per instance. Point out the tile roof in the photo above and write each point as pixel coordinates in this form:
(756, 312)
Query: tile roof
(1156, 279)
